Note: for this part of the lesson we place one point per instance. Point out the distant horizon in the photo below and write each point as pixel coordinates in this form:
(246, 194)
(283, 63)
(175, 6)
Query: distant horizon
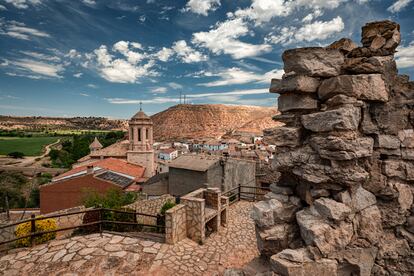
(86, 58)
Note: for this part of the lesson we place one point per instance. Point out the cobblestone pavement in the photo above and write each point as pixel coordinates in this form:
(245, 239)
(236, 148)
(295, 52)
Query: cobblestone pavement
(233, 246)
(83, 255)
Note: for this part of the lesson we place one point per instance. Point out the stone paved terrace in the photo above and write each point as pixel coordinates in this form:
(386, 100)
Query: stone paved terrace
(234, 246)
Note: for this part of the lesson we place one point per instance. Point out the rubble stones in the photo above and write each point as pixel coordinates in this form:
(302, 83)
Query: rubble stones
(337, 148)
(283, 136)
(313, 62)
(291, 101)
(338, 119)
(332, 209)
(369, 87)
(352, 166)
(299, 83)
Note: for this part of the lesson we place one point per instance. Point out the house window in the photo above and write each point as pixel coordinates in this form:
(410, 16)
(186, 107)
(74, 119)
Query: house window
(146, 133)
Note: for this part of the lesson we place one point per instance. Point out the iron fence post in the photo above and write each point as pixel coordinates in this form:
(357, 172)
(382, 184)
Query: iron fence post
(32, 229)
(239, 192)
(100, 221)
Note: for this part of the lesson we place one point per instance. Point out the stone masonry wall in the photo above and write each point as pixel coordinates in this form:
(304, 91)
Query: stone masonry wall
(176, 224)
(150, 206)
(343, 204)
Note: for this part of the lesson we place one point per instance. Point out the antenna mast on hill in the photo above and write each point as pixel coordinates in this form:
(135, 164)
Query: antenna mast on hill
(180, 96)
(140, 106)
(184, 98)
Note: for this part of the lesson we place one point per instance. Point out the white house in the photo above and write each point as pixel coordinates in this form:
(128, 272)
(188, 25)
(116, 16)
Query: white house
(168, 154)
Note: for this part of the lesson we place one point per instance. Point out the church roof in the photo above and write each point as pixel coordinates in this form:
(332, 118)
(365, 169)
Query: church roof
(95, 144)
(140, 115)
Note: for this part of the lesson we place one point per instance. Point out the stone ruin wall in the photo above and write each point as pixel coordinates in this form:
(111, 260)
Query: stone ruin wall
(343, 203)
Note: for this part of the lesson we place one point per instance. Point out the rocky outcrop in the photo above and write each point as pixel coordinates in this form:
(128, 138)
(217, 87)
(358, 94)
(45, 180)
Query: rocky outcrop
(343, 204)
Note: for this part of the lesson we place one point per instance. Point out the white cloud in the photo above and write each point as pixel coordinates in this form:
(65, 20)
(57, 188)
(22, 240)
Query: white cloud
(78, 75)
(318, 30)
(202, 6)
(313, 15)
(398, 5)
(186, 53)
(142, 18)
(121, 70)
(91, 85)
(159, 90)
(405, 56)
(224, 96)
(20, 31)
(123, 48)
(84, 94)
(164, 54)
(236, 75)
(23, 4)
(38, 68)
(89, 2)
(224, 39)
(3, 8)
(41, 56)
(175, 85)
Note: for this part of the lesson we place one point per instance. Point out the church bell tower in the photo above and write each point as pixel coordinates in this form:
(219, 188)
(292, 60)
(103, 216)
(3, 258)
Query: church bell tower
(141, 140)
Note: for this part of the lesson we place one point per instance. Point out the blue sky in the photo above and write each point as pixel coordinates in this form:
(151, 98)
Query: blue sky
(101, 58)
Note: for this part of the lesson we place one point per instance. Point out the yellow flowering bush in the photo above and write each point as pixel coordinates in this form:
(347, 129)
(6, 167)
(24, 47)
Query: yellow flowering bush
(24, 229)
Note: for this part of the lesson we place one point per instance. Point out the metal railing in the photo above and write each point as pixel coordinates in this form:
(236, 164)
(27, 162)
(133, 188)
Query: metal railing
(101, 223)
(238, 193)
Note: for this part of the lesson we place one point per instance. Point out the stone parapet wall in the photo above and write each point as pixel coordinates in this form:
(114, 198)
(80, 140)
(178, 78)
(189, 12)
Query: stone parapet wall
(343, 204)
(150, 206)
(176, 224)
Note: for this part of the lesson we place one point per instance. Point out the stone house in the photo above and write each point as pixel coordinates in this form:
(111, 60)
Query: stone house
(67, 190)
(168, 154)
(190, 172)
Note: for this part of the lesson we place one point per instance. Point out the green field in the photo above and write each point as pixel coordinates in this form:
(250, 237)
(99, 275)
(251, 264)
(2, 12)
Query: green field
(30, 146)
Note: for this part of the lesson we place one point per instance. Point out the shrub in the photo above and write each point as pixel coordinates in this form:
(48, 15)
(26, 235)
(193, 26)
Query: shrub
(24, 229)
(167, 205)
(16, 154)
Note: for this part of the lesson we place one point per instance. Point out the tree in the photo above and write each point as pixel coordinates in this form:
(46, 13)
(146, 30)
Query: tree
(11, 189)
(34, 198)
(16, 154)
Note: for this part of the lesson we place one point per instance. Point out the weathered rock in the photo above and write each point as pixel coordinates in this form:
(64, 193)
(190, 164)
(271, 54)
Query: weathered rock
(345, 45)
(276, 238)
(298, 83)
(370, 65)
(262, 214)
(314, 62)
(406, 137)
(361, 199)
(369, 224)
(410, 224)
(405, 196)
(387, 142)
(337, 119)
(233, 272)
(317, 231)
(293, 101)
(365, 87)
(337, 148)
(340, 99)
(394, 168)
(281, 190)
(283, 136)
(355, 261)
(291, 263)
(329, 208)
(381, 34)
(317, 193)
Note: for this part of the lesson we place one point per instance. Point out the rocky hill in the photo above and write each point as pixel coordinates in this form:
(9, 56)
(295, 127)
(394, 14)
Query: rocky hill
(56, 123)
(210, 120)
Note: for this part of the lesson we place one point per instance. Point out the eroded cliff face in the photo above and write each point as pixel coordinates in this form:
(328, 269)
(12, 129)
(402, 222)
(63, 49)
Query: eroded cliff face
(343, 204)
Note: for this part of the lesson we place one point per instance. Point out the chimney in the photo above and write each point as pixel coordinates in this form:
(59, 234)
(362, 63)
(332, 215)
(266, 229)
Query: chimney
(89, 169)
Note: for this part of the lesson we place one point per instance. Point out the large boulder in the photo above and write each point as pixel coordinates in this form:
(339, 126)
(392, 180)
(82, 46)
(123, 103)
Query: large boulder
(344, 118)
(369, 87)
(293, 101)
(276, 238)
(338, 148)
(331, 209)
(317, 231)
(299, 263)
(355, 261)
(297, 83)
(313, 61)
(283, 136)
(381, 35)
(370, 65)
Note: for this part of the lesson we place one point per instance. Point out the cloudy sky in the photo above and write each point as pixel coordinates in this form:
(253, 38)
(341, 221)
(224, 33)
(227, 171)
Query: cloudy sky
(101, 58)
